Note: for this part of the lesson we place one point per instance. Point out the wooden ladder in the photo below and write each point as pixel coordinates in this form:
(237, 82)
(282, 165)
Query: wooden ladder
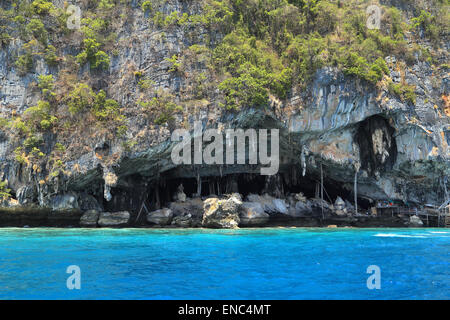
(143, 206)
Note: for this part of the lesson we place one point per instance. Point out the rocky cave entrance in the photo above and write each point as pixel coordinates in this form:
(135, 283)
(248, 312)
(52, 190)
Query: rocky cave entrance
(378, 152)
(289, 181)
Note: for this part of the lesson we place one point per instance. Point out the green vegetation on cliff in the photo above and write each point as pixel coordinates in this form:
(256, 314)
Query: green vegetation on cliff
(271, 45)
(4, 191)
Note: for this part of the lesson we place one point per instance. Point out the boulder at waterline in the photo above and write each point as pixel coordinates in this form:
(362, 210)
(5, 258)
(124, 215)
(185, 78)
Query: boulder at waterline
(160, 217)
(270, 204)
(192, 207)
(280, 206)
(221, 213)
(183, 221)
(265, 201)
(114, 219)
(300, 209)
(89, 219)
(414, 221)
(318, 204)
(252, 214)
(339, 207)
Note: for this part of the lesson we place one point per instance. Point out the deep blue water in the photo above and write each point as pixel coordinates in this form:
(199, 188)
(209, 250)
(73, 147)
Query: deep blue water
(225, 264)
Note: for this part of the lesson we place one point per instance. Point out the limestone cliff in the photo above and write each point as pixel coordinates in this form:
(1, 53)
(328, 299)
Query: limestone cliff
(163, 73)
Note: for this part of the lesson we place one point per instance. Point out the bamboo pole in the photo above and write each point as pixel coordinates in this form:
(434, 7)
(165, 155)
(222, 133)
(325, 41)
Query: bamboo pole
(356, 192)
(321, 188)
(199, 185)
(357, 167)
(158, 201)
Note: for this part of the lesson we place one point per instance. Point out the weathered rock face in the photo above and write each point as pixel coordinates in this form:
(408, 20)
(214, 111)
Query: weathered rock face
(87, 202)
(350, 124)
(160, 217)
(26, 195)
(90, 219)
(252, 214)
(64, 202)
(114, 219)
(222, 213)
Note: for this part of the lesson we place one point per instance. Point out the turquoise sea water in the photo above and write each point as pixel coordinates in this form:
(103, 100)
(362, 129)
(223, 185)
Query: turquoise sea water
(225, 264)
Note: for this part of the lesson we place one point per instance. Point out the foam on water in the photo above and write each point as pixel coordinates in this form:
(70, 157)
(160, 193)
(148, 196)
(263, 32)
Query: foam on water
(396, 235)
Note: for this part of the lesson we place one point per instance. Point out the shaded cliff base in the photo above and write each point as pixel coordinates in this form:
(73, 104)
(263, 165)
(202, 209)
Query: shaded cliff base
(224, 212)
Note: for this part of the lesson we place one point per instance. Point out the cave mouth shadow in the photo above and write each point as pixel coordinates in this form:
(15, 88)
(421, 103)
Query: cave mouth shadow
(159, 192)
(252, 183)
(377, 145)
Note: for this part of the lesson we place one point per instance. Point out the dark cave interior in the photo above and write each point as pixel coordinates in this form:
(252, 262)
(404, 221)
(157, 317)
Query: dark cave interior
(161, 193)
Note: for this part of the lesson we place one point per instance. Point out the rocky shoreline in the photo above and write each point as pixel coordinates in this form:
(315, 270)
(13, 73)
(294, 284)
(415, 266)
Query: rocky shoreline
(225, 212)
